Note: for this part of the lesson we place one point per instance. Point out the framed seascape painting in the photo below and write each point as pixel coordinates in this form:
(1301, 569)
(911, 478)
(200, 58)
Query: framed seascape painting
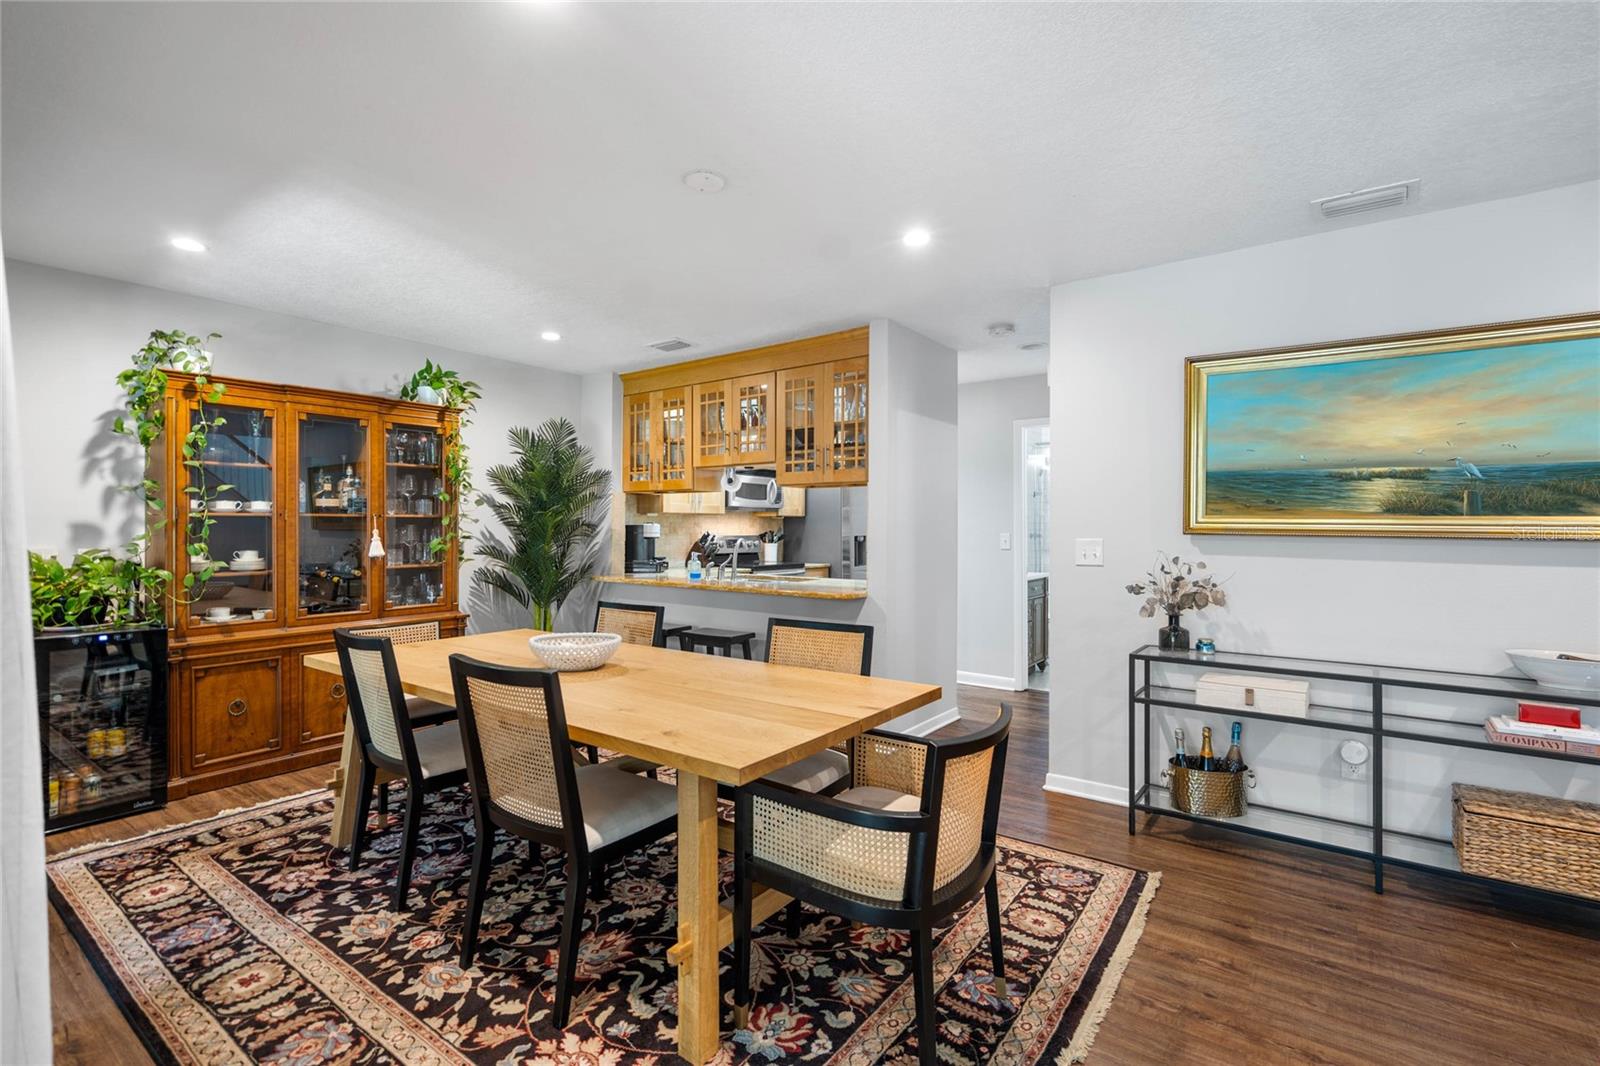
(1485, 431)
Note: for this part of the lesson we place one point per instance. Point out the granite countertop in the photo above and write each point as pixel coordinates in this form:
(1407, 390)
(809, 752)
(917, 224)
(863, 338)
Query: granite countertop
(812, 588)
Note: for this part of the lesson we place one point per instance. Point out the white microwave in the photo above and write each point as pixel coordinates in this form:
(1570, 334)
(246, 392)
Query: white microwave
(749, 488)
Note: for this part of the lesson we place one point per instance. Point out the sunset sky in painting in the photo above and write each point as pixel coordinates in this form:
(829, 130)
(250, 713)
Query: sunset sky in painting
(1539, 397)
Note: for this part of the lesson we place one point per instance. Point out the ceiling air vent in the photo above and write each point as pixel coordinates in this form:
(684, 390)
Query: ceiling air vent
(674, 344)
(1373, 199)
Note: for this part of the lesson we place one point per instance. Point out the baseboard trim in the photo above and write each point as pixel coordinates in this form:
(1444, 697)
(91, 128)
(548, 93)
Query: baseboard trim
(1083, 788)
(967, 677)
(948, 716)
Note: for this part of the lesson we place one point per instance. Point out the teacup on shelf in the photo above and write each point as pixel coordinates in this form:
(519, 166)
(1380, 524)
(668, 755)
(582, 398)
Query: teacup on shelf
(261, 614)
(260, 505)
(226, 505)
(246, 555)
(218, 614)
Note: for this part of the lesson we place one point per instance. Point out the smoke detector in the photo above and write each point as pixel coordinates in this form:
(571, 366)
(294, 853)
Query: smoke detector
(705, 181)
(671, 344)
(1002, 329)
(1374, 199)
(1034, 346)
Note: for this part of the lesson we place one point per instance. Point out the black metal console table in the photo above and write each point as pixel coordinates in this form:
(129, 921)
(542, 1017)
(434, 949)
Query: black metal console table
(1372, 841)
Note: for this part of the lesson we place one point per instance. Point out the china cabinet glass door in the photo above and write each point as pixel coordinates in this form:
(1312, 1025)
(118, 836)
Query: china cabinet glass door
(230, 544)
(333, 526)
(711, 424)
(414, 478)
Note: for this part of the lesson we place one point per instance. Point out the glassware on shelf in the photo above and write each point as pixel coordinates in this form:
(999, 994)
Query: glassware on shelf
(408, 492)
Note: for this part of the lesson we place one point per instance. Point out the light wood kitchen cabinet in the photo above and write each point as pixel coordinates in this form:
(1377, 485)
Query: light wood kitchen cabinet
(733, 422)
(713, 502)
(821, 423)
(655, 445)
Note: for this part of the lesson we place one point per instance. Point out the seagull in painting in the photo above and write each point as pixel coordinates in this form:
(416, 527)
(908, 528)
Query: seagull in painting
(1421, 450)
(1467, 468)
(1541, 455)
(1507, 444)
(1462, 422)
(1448, 444)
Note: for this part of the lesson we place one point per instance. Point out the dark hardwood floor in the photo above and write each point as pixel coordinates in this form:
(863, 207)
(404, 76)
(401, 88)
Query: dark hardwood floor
(1253, 953)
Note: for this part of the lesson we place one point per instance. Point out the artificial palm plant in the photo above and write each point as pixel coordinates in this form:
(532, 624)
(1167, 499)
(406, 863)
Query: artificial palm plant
(551, 502)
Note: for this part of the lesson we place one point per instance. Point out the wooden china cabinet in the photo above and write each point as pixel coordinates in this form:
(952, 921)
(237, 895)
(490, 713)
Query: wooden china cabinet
(294, 480)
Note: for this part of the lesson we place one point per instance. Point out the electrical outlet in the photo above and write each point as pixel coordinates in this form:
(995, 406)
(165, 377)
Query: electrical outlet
(1090, 552)
(1005, 542)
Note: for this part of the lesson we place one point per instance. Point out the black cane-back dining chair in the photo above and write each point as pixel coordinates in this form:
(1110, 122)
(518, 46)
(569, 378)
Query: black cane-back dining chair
(525, 781)
(842, 647)
(422, 712)
(910, 843)
(429, 760)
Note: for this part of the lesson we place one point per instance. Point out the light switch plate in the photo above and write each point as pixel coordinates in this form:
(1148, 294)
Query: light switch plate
(1090, 552)
(1005, 542)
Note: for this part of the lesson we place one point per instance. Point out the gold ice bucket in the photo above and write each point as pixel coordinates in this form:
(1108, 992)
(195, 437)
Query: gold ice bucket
(1209, 793)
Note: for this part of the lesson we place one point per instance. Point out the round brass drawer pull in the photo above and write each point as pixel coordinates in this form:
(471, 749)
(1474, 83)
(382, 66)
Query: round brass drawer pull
(337, 691)
(237, 708)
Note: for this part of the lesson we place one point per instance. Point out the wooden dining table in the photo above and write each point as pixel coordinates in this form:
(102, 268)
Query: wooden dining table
(710, 718)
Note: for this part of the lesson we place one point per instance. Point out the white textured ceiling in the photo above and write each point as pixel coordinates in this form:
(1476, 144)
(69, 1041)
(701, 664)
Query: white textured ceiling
(469, 175)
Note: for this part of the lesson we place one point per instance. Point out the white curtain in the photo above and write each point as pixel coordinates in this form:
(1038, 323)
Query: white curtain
(24, 921)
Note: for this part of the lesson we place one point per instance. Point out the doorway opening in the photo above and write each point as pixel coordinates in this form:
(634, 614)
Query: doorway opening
(1032, 576)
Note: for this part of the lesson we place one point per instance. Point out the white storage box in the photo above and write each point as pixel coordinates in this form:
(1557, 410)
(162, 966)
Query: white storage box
(1287, 696)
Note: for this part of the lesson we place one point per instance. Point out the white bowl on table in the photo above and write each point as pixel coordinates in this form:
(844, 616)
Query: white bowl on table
(574, 652)
(1581, 674)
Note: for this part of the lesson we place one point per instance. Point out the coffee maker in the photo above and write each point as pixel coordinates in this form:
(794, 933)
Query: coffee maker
(639, 550)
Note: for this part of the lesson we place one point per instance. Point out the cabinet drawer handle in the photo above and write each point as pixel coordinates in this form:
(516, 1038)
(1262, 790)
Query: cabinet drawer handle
(337, 691)
(237, 708)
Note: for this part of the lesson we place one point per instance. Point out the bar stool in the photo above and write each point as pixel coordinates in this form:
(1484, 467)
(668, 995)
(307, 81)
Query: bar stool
(717, 640)
(674, 629)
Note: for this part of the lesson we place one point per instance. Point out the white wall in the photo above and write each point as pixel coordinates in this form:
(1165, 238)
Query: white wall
(1117, 350)
(73, 333)
(988, 598)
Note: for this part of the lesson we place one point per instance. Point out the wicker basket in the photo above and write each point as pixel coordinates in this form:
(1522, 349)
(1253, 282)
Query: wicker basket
(1209, 793)
(1538, 841)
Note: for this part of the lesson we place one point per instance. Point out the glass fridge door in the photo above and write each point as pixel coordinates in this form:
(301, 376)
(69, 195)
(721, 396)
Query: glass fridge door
(102, 724)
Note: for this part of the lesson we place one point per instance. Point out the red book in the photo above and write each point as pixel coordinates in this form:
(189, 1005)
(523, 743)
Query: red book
(1558, 714)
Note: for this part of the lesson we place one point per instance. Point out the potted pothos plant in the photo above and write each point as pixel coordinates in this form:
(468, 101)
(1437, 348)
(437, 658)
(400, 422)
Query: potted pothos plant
(434, 384)
(95, 589)
(552, 502)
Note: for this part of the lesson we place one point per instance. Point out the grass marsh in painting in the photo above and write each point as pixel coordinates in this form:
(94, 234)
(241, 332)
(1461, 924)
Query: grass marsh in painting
(1509, 431)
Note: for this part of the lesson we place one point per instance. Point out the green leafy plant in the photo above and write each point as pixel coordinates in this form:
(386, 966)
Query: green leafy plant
(144, 387)
(454, 391)
(551, 502)
(96, 588)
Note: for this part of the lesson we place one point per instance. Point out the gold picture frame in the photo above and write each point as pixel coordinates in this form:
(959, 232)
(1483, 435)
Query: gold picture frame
(1416, 453)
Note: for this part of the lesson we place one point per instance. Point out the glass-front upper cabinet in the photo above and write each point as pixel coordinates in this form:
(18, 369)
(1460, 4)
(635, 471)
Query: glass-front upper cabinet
(847, 448)
(638, 459)
(799, 436)
(711, 424)
(671, 408)
(333, 526)
(733, 422)
(414, 506)
(230, 520)
(820, 423)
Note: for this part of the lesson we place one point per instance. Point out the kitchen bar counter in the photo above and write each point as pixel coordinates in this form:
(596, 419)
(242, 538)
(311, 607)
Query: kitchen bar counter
(812, 588)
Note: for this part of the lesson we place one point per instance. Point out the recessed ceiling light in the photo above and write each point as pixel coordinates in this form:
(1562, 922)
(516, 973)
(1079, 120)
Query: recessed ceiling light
(916, 237)
(550, 335)
(187, 244)
(705, 181)
(1002, 329)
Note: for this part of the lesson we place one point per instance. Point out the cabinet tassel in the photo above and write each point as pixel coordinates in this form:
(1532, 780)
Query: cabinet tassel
(375, 548)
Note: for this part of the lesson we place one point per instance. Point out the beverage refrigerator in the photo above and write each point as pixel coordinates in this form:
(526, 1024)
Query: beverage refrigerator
(102, 723)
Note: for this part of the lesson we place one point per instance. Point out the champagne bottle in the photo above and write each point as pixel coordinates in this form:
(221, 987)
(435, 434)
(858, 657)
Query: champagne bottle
(1179, 759)
(1234, 761)
(1208, 761)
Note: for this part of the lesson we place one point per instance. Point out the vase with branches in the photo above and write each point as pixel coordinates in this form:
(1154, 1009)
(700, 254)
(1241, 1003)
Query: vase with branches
(551, 501)
(1172, 587)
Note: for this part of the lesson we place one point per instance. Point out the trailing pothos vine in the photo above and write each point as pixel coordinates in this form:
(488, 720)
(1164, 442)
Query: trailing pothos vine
(144, 386)
(434, 384)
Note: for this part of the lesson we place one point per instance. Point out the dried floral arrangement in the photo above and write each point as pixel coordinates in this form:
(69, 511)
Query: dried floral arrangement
(1173, 586)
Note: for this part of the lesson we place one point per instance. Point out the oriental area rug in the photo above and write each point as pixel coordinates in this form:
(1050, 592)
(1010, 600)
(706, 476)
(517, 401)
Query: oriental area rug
(244, 938)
